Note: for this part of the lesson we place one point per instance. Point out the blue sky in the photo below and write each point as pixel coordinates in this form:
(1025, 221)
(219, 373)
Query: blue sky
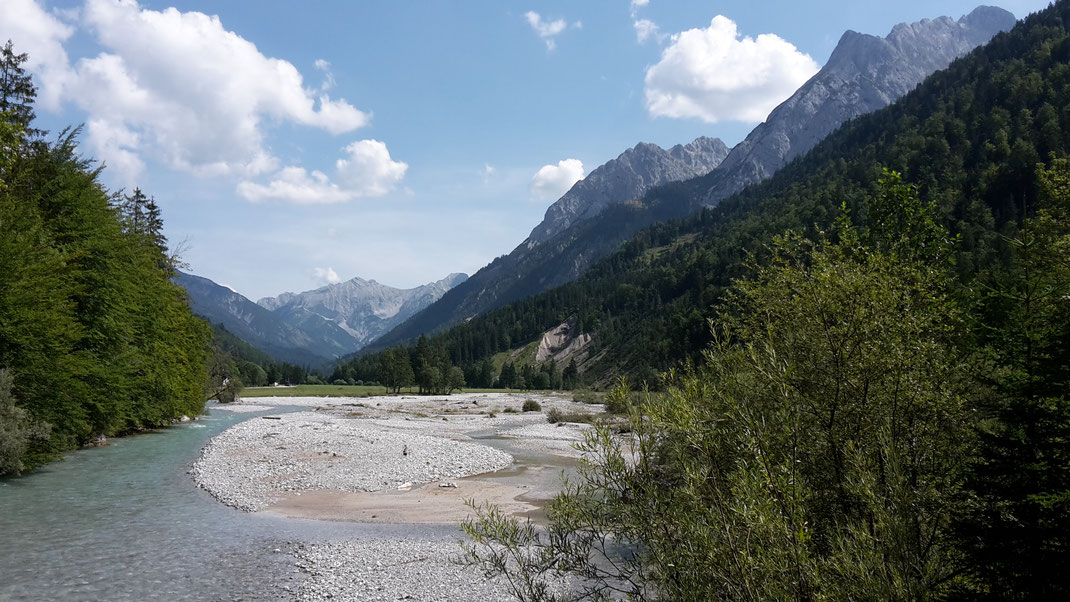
(292, 144)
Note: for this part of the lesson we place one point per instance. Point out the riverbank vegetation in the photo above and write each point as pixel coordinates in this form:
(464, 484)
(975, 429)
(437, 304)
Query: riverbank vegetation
(94, 337)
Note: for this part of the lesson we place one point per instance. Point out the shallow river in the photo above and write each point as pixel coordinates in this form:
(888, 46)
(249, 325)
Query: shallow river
(125, 522)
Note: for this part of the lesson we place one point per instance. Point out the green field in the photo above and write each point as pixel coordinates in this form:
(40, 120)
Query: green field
(343, 391)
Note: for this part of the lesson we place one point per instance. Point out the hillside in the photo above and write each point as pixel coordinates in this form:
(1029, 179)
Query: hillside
(969, 137)
(248, 321)
(602, 211)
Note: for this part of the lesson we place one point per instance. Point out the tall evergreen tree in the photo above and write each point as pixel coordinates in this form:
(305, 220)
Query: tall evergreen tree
(17, 92)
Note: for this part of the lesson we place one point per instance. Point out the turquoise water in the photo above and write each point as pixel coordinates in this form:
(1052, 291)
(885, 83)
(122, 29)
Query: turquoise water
(125, 522)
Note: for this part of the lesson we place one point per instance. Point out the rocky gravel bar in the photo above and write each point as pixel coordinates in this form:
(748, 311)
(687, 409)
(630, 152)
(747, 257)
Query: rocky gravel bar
(260, 461)
(381, 569)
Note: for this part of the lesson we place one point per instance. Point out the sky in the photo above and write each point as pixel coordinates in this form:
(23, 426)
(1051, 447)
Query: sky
(291, 145)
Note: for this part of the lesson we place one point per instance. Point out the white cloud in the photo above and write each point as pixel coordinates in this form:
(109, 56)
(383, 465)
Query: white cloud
(326, 275)
(487, 172)
(366, 171)
(547, 29)
(637, 4)
(328, 77)
(369, 170)
(552, 181)
(176, 86)
(715, 75)
(646, 29)
(40, 35)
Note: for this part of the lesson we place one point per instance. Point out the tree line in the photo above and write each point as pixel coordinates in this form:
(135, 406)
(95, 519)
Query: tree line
(430, 367)
(95, 339)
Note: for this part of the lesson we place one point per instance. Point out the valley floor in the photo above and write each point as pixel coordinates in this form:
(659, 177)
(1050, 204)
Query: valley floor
(404, 461)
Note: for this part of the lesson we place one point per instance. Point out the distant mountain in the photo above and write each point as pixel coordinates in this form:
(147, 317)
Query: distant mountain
(361, 309)
(620, 198)
(249, 322)
(863, 74)
(646, 306)
(313, 327)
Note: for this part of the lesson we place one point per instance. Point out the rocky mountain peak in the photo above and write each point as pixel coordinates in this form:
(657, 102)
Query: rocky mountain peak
(864, 73)
(627, 177)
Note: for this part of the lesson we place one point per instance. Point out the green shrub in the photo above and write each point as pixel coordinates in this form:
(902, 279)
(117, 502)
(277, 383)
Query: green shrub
(555, 416)
(530, 405)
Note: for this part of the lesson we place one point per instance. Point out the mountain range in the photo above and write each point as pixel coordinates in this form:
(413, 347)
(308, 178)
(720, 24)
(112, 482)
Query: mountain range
(635, 190)
(313, 327)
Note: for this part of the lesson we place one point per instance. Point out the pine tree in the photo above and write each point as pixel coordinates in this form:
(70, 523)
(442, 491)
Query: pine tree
(17, 92)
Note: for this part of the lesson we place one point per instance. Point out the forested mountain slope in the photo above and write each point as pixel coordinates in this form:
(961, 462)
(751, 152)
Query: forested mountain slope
(864, 73)
(969, 137)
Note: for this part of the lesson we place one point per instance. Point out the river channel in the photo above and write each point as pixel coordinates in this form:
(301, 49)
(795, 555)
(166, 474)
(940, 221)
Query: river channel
(126, 522)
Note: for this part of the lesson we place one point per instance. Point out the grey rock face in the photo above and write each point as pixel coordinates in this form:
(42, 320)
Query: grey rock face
(863, 74)
(628, 177)
(364, 309)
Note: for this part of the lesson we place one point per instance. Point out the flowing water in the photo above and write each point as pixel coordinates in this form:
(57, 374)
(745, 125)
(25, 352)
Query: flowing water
(125, 522)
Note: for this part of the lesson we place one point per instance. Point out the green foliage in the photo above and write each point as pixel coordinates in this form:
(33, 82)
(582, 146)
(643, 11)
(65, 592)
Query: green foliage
(395, 369)
(454, 379)
(17, 92)
(224, 383)
(530, 405)
(1017, 533)
(97, 338)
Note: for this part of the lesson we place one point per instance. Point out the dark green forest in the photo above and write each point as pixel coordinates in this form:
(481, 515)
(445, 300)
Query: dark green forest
(95, 339)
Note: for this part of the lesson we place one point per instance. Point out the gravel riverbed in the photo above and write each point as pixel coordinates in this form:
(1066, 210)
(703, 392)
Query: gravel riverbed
(381, 569)
(257, 462)
(344, 446)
